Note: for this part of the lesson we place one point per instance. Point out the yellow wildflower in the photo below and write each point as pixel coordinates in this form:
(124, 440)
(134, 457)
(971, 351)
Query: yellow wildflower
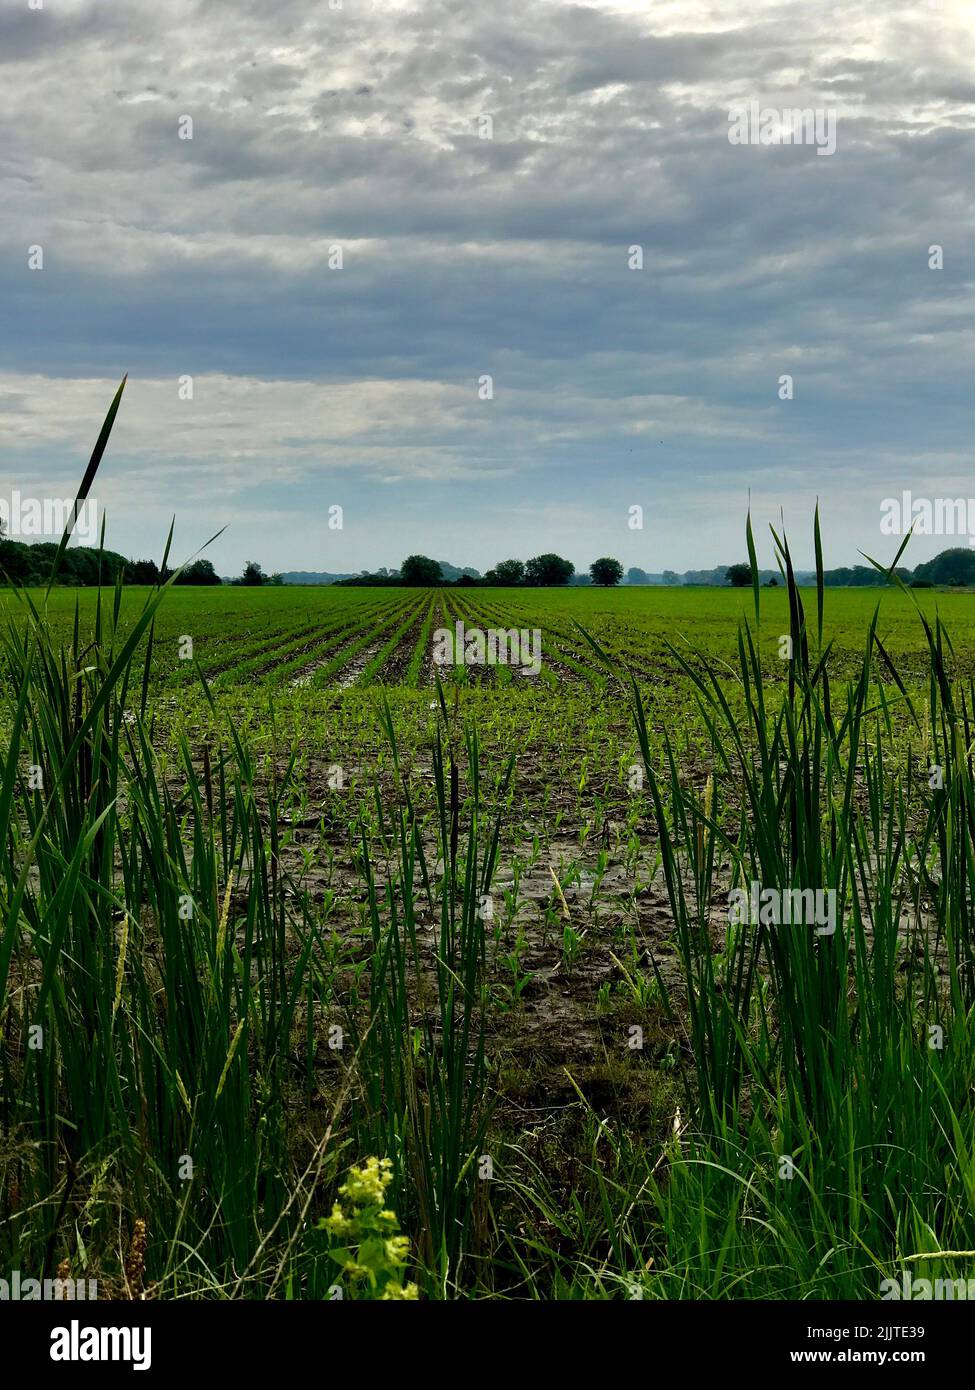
(393, 1290)
(397, 1249)
(338, 1223)
(368, 1183)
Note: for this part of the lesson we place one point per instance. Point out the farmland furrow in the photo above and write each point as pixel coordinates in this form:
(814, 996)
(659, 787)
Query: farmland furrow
(391, 658)
(479, 674)
(325, 653)
(428, 667)
(230, 660)
(272, 655)
(356, 655)
(572, 659)
(486, 614)
(411, 676)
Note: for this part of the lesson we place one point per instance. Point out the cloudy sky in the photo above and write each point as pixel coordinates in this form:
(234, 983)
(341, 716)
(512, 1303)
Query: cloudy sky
(362, 127)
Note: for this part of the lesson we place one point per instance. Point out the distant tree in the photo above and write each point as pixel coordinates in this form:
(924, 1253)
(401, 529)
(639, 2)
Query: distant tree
(508, 572)
(253, 575)
(143, 572)
(771, 582)
(548, 570)
(606, 571)
(738, 575)
(200, 572)
(18, 563)
(671, 577)
(466, 582)
(419, 571)
(954, 567)
(634, 575)
(32, 563)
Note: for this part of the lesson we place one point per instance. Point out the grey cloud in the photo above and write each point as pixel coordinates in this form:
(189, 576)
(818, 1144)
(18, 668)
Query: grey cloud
(465, 256)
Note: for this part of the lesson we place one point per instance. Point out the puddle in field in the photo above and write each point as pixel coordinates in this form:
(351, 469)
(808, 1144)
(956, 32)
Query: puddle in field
(351, 673)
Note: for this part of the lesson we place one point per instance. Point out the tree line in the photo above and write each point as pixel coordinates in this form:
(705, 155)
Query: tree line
(81, 566)
(542, 571)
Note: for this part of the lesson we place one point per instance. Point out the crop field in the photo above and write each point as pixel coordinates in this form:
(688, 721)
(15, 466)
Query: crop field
(331, 970)
(274, 638)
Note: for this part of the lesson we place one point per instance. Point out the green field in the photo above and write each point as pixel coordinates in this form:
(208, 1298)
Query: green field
(289, 897)
(335, 637)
